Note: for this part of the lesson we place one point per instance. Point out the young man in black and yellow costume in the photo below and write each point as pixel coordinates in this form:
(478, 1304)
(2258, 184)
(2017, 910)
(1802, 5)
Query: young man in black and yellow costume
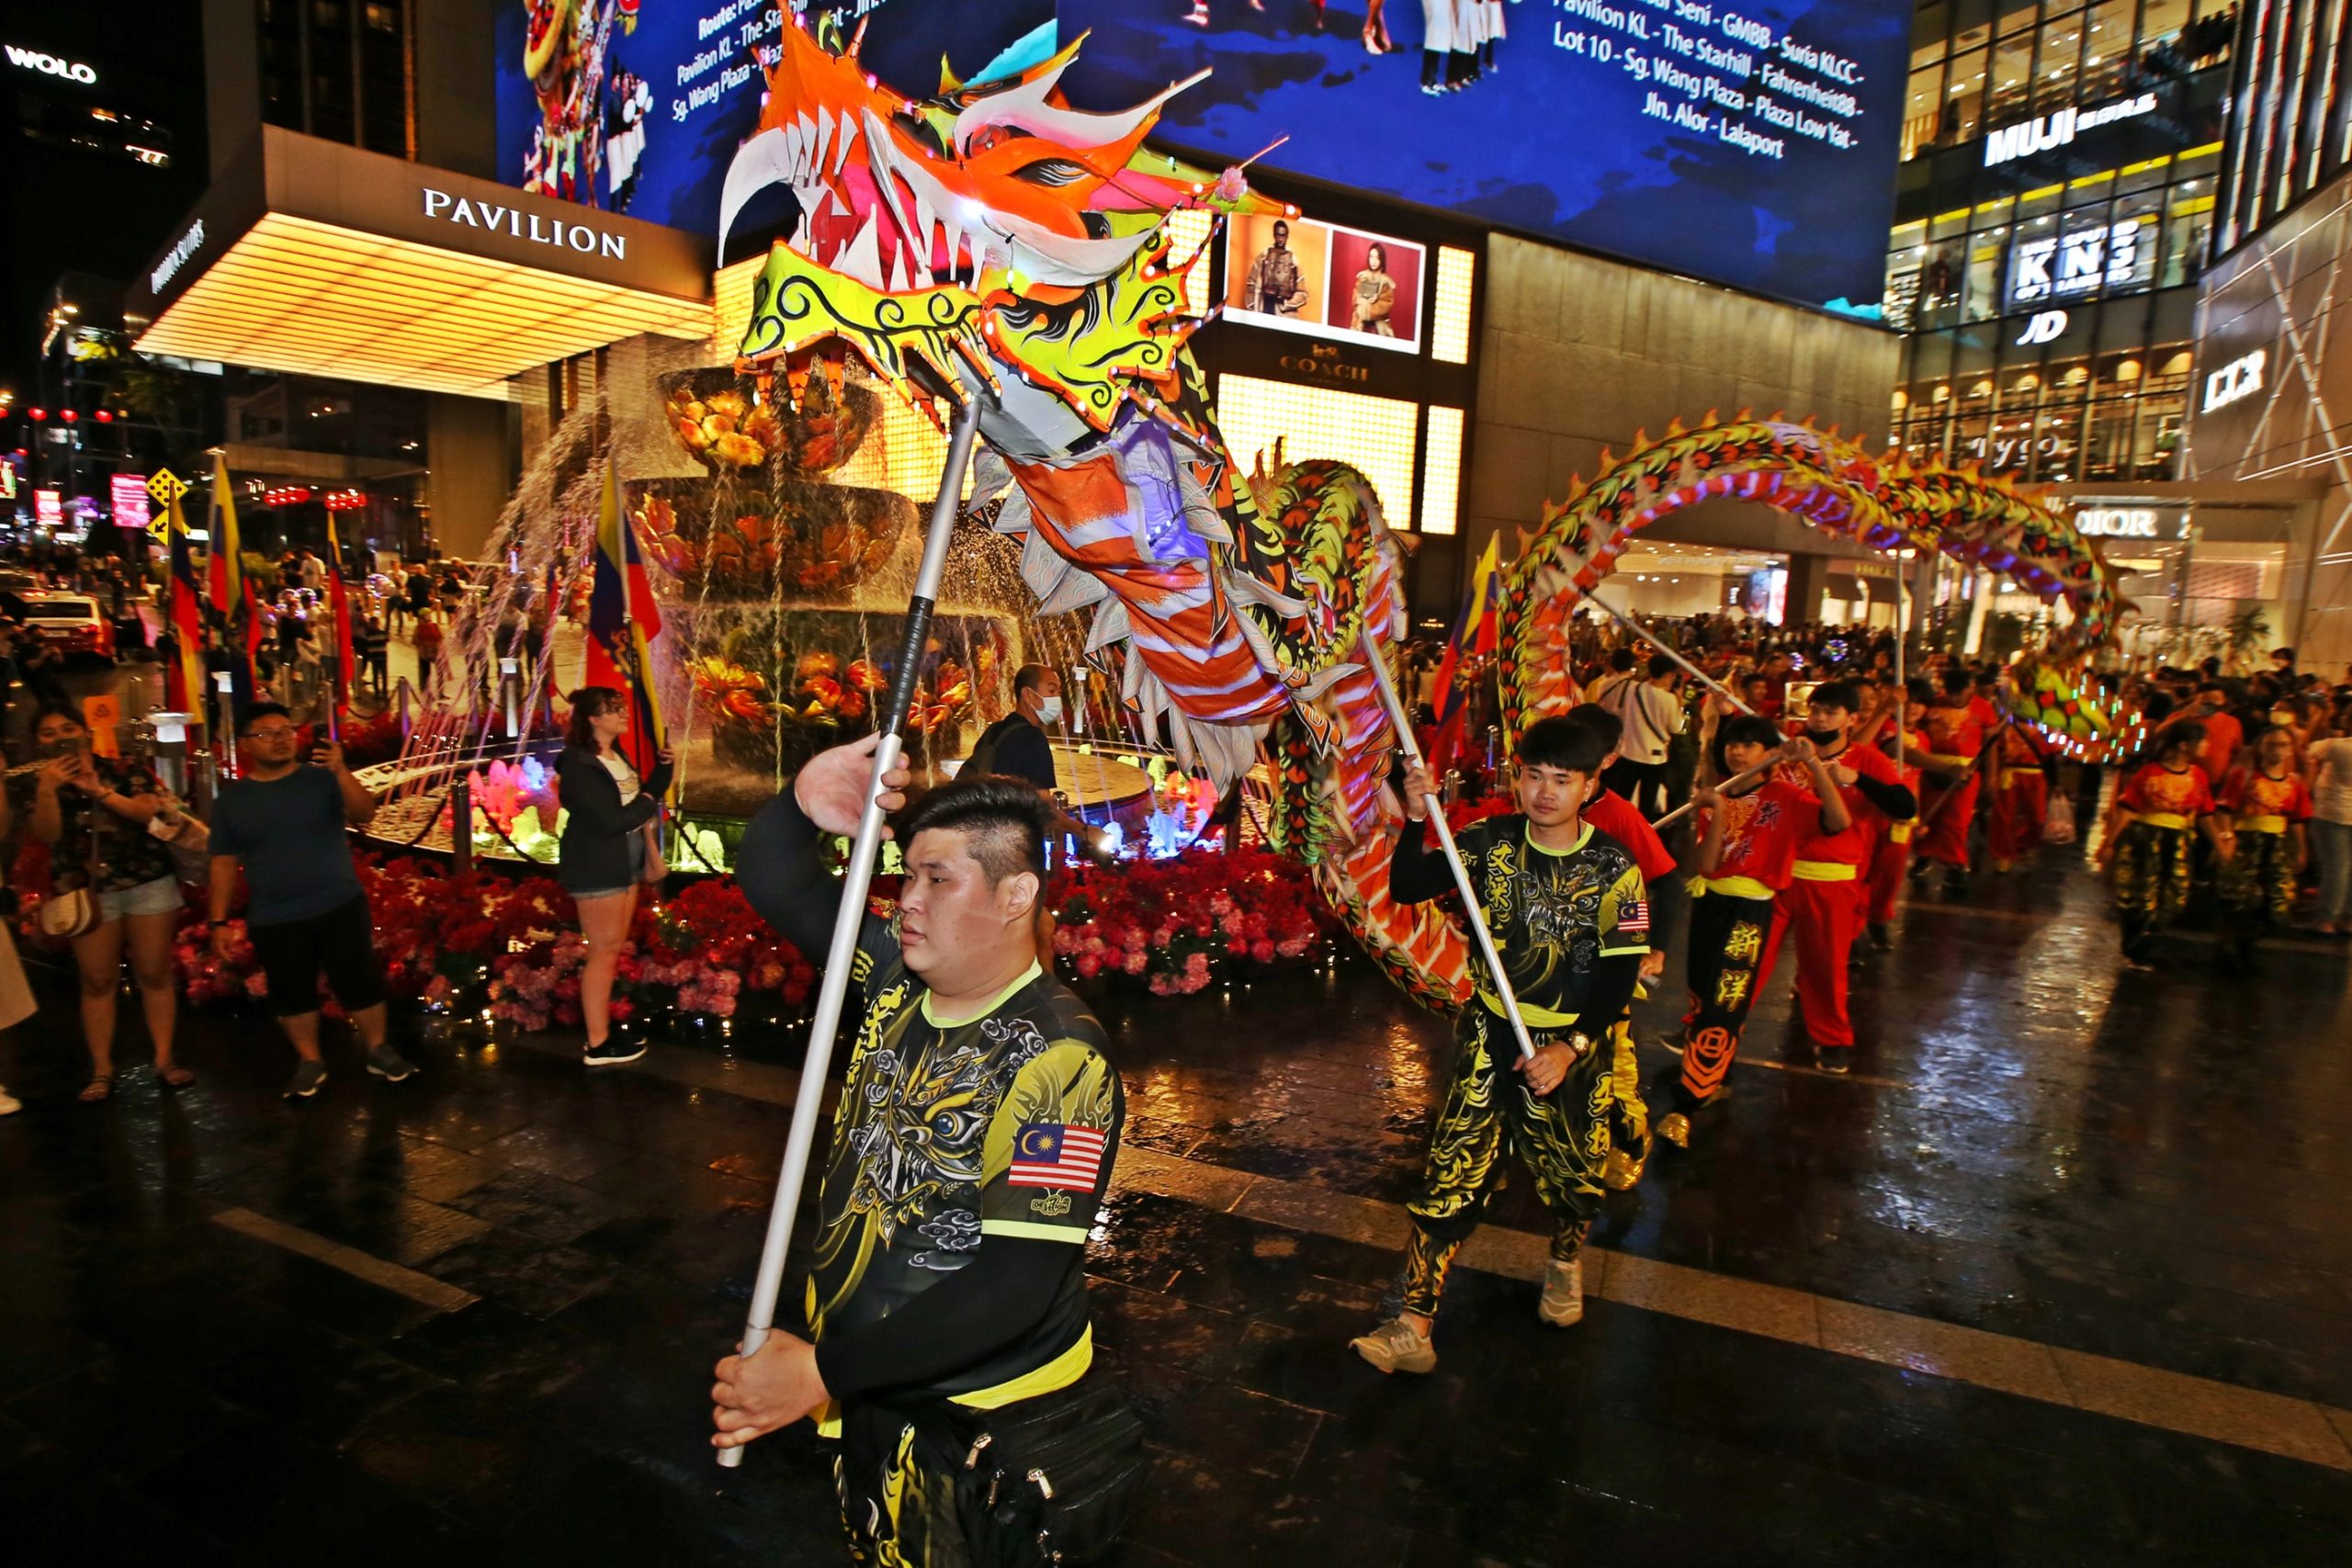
(1570, 919)
(972, 1147)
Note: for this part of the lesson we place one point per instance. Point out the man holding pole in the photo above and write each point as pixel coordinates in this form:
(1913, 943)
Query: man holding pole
(1569, 918)
(971, 1151)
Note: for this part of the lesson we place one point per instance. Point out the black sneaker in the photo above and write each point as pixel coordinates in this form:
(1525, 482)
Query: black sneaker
(611, 1053)
(389, 1064)
(307, 1077)
(1881, 938)
(1835, 1058)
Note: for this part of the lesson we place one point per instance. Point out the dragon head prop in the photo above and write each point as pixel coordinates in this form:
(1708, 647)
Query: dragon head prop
(990, 221)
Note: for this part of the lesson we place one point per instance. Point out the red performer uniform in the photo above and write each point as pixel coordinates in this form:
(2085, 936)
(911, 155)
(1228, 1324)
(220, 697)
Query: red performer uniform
(1955, 737)
(2022, 800)
(1824, 901)
(1730, 921)
(1618, 817)
(1891, 856)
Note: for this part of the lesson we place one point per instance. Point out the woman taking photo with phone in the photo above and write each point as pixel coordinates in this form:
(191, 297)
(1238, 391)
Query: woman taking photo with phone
(93, 813)
(607, 853)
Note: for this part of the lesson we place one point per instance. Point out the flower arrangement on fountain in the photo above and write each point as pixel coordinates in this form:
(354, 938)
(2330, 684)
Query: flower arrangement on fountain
(756, 553)
(1171, 923)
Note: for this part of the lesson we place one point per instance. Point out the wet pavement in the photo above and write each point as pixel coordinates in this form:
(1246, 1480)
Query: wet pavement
(2064, 1275)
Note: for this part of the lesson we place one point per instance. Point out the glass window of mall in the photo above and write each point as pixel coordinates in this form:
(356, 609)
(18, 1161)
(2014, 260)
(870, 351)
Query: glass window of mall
(2055, 205)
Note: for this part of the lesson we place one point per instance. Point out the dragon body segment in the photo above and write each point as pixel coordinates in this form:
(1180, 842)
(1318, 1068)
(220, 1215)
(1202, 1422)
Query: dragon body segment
(992, 243)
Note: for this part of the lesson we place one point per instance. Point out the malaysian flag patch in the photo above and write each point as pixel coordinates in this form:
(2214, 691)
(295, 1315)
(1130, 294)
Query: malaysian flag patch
(1633, 917)
(1048, 1153)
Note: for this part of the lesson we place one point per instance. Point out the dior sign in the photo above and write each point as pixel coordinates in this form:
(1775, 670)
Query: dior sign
(466, 213)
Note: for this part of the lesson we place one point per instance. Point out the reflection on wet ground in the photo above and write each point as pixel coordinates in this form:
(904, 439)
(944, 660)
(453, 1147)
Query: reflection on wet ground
(472, 1316)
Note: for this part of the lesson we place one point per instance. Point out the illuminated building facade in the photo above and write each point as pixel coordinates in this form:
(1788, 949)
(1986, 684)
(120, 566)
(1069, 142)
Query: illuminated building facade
(2271, 404)
(2054, 206)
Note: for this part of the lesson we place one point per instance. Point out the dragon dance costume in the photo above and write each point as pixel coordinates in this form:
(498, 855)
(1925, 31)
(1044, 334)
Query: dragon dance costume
(1731, 920)
(1571, 926)
(1955, 739)
(2020, 798)
(2152, 851)
(1823, 903)
(1629, 1122)
(969, 1158)
(1891, 856)
(2267, 815)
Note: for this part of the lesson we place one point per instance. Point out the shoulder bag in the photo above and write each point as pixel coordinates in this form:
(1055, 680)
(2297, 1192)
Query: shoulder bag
(656, 869)
(1050, 1479)
(73, 912)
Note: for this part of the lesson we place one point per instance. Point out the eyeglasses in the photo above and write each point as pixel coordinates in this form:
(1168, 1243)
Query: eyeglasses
(274, 732)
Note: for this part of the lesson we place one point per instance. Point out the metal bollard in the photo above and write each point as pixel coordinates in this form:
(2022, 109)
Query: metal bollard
(406, 724)
(461, 824)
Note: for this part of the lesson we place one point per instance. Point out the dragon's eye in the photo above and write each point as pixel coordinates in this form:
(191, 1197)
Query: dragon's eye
(1052, 172)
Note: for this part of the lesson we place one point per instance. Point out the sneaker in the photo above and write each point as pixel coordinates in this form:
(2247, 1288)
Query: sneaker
(1881, 938)
(307, 1077)
(611, 1053)
(9, 1104)
(1562, 1302)
(389, 1064)
(1835, 1058)
(1397, 1347)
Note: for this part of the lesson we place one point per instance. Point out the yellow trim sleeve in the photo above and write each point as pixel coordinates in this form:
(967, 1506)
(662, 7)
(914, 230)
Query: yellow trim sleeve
(1032, 1231)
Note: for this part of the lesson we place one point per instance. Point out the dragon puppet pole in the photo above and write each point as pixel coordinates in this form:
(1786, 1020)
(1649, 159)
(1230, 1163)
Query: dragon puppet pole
(1639, 630)
(850, 916)
(1471, 905)
(1688, 806)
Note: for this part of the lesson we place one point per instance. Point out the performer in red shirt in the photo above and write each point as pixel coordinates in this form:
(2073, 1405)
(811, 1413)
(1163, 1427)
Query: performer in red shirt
(1746, 857)
(2267, 803)
(2021, 797)
(1891, 856)
(2223, 733)
(2161, 804)
(1822, 904)
(1955, 737)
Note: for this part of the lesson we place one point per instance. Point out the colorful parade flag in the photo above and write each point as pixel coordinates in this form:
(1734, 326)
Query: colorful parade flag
(622, 623)
(226, 570)
(1475, 632)
(339, 604)
(184, 670)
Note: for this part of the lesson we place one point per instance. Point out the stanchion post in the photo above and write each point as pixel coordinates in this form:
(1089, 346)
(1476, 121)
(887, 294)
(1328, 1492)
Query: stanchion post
(461, 823)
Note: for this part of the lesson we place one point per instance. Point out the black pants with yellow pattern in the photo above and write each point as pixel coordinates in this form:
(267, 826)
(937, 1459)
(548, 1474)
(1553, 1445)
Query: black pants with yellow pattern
(2258, 882)
(2152, 867)
(895, 1476)
(1727, 937)
(1562, 1139)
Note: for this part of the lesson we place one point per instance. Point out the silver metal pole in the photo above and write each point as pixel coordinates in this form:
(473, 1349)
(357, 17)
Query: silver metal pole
(1471, 904)
(1631, 625)
(849, 917)
(1688, 806)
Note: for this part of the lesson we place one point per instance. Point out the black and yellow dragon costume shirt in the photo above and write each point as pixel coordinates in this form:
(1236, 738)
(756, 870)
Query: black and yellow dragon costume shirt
(949, 1131)
(1554, 914)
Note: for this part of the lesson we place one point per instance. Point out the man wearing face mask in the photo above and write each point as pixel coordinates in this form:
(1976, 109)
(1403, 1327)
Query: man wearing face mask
(1825, 903)
(1018, 746)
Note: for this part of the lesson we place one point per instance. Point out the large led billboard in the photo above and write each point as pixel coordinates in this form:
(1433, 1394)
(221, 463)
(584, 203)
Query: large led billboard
(637, 105)
(1753, 146)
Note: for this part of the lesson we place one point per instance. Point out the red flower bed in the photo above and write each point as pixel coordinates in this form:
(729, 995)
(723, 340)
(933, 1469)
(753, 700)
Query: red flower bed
(1165, 922)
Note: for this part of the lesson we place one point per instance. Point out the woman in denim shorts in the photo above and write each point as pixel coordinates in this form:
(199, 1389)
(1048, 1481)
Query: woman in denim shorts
(80, 795)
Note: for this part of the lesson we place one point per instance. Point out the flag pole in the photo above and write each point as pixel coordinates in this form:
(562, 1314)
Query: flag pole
(849, 917)
(1471, 904)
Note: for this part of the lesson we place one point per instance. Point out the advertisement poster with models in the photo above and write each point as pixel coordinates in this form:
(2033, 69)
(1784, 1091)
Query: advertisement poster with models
(1298, 275)
(1751, 144)
(637, 105)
